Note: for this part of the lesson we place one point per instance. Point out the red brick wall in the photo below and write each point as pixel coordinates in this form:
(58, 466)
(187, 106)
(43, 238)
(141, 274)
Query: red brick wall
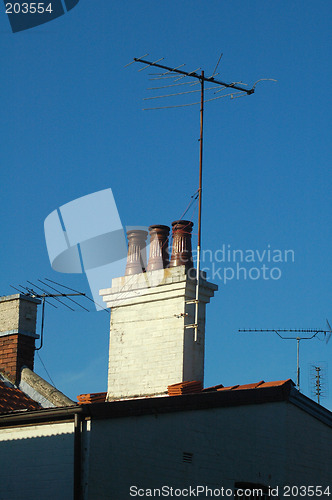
(16, 350)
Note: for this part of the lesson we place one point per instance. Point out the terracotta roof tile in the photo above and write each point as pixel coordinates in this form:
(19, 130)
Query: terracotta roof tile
(193, 386)
(256, 385)
(277, 383)
(250, 386)
(12, 399)
(96, 397)
(187, 387)
(229, 388)
(213, 388)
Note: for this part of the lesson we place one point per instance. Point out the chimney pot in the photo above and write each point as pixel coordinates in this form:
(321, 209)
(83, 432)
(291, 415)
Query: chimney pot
(181, 247)
(136, 258)
(158, 255)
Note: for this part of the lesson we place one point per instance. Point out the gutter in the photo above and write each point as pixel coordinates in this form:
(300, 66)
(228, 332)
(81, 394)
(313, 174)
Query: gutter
(45, 415)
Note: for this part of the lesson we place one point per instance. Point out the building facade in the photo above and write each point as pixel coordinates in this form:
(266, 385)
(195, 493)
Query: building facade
(265, 436)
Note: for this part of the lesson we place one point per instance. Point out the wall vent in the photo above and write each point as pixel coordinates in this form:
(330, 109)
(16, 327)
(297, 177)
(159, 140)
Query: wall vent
(187, 457)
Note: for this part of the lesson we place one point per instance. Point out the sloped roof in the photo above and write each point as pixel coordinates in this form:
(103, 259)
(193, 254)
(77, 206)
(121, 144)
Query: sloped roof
(255, 385)
(248, 394)
(191, 387)
(188, 387)
(12, 399)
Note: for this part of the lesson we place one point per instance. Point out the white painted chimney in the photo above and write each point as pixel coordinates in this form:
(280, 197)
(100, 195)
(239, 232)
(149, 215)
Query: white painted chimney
(150, 345)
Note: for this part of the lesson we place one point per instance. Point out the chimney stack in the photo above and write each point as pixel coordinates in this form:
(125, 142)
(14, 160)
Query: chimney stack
(152, 341)
(181, 248)
(18, 317)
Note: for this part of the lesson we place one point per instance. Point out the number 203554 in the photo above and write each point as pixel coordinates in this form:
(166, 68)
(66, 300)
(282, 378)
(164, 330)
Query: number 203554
(306, 491)
(28, 8)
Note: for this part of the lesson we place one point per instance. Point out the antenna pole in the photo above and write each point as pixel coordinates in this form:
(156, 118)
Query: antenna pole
(298, 363)
(199, 205)
(318, 383)
(42, 325)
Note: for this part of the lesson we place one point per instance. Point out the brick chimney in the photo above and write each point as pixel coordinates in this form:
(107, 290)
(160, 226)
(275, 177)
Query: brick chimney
(18, 317)
(152, 344)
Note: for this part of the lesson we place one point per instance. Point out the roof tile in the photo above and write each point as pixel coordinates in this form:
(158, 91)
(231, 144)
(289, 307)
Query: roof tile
(187, 387)
(277, 383)
(96, 397)
(256, 385)
(250, 386)
(12, 399)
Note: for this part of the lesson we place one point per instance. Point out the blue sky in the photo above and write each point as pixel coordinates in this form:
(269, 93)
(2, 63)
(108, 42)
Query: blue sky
(72, 124)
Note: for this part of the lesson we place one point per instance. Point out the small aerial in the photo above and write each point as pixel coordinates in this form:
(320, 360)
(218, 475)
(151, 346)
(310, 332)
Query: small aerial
(55, 297)
(311, 333)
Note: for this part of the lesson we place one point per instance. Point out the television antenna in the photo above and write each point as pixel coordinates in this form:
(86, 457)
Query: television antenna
(237, 89)
(52, 296)
(318, 382)
(311, 333)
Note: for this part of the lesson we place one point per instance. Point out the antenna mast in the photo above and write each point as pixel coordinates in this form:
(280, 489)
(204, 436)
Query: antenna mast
(44, 295)
(200, 187)
(298, 338)
(318, 383)
(240, 91)
(318, 380)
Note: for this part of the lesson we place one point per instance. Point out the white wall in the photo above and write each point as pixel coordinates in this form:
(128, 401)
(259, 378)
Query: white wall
(150, 348)
(36, 462)
(273, 444)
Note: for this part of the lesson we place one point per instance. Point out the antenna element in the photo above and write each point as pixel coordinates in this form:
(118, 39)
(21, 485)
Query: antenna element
(173, 72)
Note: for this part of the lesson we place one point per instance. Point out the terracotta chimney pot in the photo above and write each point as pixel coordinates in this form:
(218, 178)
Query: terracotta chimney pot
(158, 255)
(136, 258)
(181, 247)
